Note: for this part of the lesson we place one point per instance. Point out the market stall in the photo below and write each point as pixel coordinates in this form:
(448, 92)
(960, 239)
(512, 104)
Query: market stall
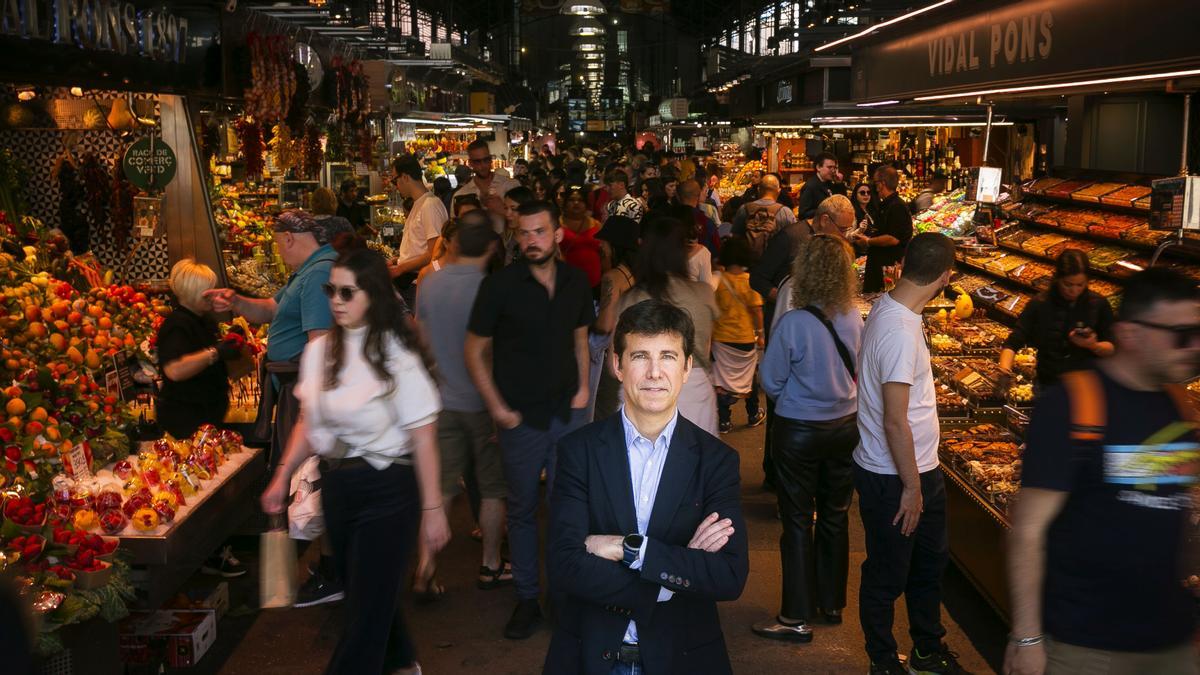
(102, 189)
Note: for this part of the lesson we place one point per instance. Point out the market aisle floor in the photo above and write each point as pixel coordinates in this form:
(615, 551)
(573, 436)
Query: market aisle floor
(462, 633)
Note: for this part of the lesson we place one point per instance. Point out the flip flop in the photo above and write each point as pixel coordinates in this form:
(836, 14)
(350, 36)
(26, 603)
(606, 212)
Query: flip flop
(433, 591)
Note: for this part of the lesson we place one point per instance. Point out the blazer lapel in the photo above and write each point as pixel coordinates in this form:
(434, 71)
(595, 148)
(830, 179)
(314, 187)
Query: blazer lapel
(682, 458)
(613, 458)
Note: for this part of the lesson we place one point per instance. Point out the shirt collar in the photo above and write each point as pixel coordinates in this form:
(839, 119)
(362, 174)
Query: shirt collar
(632, 433)
(317, 256)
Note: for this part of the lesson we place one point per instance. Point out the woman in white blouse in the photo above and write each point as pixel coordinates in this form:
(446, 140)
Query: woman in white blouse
(369, 409)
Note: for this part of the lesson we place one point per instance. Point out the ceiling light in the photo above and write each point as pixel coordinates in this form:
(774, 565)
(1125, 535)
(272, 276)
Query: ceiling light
(26, 95)
(583, 8)
(586, 26)
(877, 103)
(1063, 85)
(876, 27)
(77, 91)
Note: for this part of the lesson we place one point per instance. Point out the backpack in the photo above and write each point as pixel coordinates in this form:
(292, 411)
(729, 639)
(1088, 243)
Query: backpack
(761, 226)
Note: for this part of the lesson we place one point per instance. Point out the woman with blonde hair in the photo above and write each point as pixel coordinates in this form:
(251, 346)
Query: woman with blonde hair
(809, 371)
(195, 389)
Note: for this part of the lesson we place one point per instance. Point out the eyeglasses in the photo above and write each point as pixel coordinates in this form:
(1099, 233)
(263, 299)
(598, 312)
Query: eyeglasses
(346, 293)
(479, 160)
(1186, 335)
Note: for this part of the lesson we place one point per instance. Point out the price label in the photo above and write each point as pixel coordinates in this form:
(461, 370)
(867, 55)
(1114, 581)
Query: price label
(972, 380)
(388, 231)
(146, 232)
(78, 462)
(361, 169)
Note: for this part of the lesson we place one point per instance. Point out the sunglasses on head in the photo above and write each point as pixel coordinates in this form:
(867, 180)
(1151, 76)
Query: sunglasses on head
(1186, 335)
(346, 293)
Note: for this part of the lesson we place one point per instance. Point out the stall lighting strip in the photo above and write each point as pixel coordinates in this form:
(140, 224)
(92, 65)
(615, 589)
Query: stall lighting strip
(876, 27)
(1063, 85)
(877, 103)
(782, 127)
(899, 125)
(440, 123)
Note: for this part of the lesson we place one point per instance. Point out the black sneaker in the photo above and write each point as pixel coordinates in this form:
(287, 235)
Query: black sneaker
(223, 564)
(318, 590)
(524, 621)
(890, 666)
(757, 420)
(725, 427)
(939, 662)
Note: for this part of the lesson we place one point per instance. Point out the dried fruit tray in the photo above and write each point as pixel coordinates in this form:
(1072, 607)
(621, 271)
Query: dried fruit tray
(1093, 193)
(1064, 190)
(1125, 196)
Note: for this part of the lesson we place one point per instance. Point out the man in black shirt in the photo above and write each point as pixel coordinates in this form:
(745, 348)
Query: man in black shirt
(527, 352)
(1099, 527)
(351, 207)
(820, 186)
(893, 228)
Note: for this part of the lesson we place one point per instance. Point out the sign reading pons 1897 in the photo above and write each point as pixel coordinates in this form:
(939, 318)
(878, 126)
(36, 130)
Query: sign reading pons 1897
(105, 25)
(149, 164)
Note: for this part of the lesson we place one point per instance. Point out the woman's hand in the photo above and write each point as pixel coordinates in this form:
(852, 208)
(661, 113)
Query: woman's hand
(274, 498)
(435, 529)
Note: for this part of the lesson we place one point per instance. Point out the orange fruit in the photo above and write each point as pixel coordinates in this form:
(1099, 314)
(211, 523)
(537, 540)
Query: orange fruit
(39, 414)
(37, 329)
(15, 407)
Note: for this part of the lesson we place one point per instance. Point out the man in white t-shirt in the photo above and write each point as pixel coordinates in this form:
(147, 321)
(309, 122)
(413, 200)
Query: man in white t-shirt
(487, 184)
(902, 499)
(422, 225)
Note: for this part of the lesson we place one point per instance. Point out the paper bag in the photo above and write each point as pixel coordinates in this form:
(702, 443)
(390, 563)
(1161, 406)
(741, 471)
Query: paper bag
(277, 571)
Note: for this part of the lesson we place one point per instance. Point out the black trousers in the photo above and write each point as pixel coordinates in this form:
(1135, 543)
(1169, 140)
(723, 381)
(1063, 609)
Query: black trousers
(897, 564)
(814, 473)
(371, 517)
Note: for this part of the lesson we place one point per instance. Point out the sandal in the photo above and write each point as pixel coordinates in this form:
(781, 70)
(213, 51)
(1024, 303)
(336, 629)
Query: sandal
(490, 579)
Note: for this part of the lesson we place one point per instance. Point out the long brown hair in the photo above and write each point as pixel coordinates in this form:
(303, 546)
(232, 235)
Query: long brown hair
(385, 315)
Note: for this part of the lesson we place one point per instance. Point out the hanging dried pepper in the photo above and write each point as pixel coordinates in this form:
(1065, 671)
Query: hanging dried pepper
(250, 141)
(121, 211)
(97, 185)
(313, 156)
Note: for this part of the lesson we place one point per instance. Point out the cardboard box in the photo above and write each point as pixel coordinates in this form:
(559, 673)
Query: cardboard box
(186, 635)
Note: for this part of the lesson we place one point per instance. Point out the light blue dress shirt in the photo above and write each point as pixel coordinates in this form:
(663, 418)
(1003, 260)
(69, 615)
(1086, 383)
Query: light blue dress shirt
(646, 460)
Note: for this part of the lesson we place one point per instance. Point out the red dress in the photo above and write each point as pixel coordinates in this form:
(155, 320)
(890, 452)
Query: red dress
(582, 250)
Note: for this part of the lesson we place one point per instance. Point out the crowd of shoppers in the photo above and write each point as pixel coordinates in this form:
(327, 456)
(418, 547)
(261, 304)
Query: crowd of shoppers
(581, 333)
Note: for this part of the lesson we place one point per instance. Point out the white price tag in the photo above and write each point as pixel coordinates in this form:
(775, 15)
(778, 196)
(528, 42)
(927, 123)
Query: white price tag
(77, 463)
(388, 231)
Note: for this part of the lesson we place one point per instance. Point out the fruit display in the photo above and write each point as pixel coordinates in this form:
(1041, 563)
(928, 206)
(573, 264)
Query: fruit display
(949, 214)
(238, 223)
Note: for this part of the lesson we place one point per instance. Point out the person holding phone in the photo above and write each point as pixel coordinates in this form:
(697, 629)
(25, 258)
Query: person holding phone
(1069, 325)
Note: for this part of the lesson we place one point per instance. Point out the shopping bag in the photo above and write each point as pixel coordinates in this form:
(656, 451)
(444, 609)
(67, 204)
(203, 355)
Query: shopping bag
(277, 571)
(306, 520)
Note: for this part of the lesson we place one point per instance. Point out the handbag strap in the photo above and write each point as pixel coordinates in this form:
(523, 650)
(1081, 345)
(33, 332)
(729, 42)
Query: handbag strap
(837, 341)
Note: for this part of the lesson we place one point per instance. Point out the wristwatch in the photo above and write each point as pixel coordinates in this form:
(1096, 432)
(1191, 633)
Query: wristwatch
(632, 545)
